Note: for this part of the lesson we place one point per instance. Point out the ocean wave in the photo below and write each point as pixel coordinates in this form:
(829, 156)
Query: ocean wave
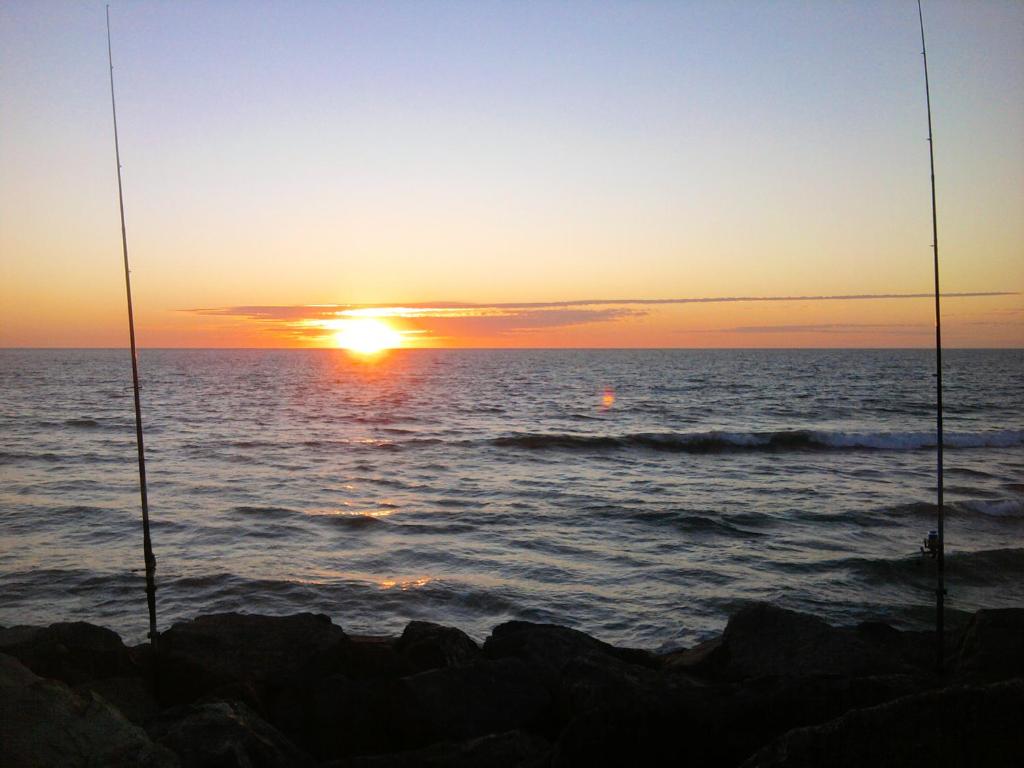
(1001, 507)
(993, 507)
(263, 511)
(82, 423)
(783, 440)
(983, 567)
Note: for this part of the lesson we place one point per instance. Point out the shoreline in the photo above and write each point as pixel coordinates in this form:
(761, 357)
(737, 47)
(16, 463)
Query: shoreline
(775, 688)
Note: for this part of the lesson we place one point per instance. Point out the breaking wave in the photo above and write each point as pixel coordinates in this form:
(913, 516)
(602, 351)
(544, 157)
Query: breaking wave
(785, 440)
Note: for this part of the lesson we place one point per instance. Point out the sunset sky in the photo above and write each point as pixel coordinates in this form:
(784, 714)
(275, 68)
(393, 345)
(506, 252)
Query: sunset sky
(511, 174)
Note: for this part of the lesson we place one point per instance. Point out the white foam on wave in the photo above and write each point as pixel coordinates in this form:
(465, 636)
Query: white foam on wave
(995, 507)
(907, 441)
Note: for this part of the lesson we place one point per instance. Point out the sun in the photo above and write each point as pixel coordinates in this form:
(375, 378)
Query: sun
(367, 336)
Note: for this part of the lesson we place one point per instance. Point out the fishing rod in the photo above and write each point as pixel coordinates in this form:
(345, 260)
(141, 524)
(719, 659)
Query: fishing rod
(147, 544)
(936, 544)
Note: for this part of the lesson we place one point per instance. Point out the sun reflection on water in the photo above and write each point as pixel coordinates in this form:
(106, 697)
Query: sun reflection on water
(405, 584)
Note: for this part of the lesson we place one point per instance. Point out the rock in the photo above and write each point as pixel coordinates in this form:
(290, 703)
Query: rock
(44, 723)
(621, 714)
(762, 639)
(512, 749)
(593, 681)
(916, 648)
(623, 734)
(993, 646)
(131, 696)
(692, 658)
(338, 716)
(14, 674)
(549, 647)
(431, 646)
(223, 734)
(956, 727)
(72, 652)
(456, 703)
(761, 710)
(618, 714)
(249, 656)
(343, 717)
(376, 657)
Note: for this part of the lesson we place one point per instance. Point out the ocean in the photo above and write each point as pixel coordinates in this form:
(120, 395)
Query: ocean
(638, 495)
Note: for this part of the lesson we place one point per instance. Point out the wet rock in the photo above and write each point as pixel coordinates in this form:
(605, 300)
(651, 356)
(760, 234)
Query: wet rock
(224, 734)
(956, 727)
(993, 646)
(75, 652)
(513, 749)
(249, 656)
(432, 646)
(44, 723)
(762, 639)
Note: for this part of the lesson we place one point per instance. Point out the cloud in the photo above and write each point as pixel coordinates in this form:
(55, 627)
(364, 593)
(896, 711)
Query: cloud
(426, 321)
(461, 309)
(524, 321)
(455, 319)
(877, 328)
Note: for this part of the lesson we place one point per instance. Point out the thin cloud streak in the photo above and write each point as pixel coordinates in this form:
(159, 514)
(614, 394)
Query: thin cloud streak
(444, 308)
(884, 328)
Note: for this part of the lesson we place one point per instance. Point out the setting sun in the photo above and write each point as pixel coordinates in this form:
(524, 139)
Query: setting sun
(367, 336)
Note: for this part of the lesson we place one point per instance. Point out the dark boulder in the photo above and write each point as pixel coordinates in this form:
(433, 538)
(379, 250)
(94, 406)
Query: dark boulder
(590, 682)
(371, 658)
(431, 646)
(762, 639)
(224, 734)
(456, 703)
(623, 734)
(761, 710)
(44, 723)
(74, 653)
(131, 696)
(692, 658)
(247, 656)
(993, 646)
(627, 715)
(342, 717)
(513, 749)
(549, 647)
(960, 727)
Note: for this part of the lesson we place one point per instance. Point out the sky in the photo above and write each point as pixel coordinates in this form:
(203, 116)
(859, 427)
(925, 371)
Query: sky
(493, 174)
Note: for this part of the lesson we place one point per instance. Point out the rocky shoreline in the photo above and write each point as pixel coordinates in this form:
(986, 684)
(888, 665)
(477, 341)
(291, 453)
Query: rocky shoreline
(777, 688)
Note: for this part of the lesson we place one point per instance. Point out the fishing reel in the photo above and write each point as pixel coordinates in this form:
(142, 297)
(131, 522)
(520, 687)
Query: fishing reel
(930, 546)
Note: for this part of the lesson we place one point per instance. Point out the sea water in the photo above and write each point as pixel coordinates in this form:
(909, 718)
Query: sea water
(638, 495)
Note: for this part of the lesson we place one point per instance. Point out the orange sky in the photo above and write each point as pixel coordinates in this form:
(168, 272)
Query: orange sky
(511, 154)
